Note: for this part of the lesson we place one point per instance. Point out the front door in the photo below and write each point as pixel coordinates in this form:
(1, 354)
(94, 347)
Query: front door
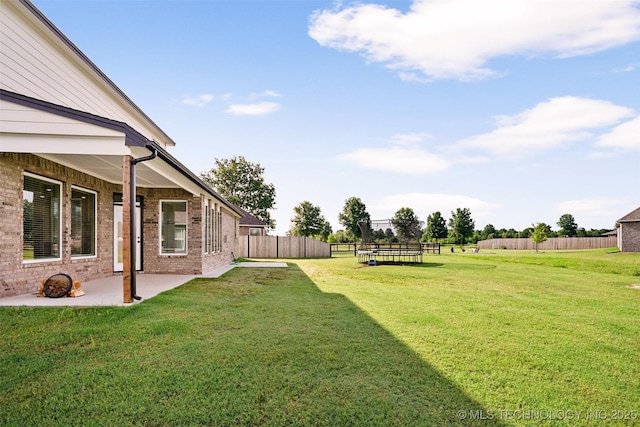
(118, 263)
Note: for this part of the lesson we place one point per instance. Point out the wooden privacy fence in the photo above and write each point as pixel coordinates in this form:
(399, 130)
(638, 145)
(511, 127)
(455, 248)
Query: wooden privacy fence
(553, 243)
(282, 247)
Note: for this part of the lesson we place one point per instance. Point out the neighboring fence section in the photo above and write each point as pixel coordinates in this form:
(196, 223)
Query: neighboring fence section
(353, 247)
(282, 247)
(344, 247)
(553, 243)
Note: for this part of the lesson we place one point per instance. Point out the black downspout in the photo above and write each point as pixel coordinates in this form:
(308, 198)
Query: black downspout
(132, 215)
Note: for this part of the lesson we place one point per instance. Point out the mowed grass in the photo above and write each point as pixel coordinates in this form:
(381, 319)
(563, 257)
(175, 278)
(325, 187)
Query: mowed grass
(502, 338)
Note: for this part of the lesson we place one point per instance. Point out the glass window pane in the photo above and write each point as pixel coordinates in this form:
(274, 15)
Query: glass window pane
(206, 229)
(174, 227)
(83, 223)
(41, 219)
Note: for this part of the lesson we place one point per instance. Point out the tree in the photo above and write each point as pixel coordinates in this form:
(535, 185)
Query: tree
(338, 237)
(488, 232)
(388, 234)
(436, 227)
(308, 221)
(353, 212)
(539, 234)
(527, 232)
(406, 224)
(241, 183)
(461, 226)
(568, 226)
(378, 235)
(326, 231)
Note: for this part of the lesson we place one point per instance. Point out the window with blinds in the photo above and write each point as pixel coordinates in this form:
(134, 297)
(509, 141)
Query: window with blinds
(83, 223)
(41, 218)
(173, 227)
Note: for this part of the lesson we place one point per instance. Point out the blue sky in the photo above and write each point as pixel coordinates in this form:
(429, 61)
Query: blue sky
(520, 111)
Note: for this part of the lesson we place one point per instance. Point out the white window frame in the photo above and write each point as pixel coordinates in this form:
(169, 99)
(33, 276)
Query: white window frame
(60, 215)
(216, 222)
(219, 229)
(212, 237)
(206, 227)
(95, 221)
(186, 230)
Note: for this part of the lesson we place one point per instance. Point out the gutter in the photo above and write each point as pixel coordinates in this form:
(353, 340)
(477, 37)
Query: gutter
(132, 213)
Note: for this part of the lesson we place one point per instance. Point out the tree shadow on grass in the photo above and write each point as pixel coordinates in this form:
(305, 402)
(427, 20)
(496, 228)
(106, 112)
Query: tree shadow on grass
(449, 265)
(335, 365)
(455, 266)
(261, 346)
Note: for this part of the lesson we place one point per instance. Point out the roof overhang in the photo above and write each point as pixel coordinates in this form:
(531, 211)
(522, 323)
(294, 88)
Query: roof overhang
(90, 144)
(28, 11)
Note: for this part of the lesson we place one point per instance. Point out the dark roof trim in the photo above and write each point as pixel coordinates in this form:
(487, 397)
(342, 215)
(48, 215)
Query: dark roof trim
(164, 155)
(249, 220)
(36, 12)
(633, 216)
(132, 137)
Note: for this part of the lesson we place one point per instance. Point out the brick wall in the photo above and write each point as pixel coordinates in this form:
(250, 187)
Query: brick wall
(629, 236)
(153, 261)
(195, 261)
(229, 236)
(18, 278)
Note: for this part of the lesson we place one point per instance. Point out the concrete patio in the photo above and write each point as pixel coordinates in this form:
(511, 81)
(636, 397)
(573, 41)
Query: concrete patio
(109, 290)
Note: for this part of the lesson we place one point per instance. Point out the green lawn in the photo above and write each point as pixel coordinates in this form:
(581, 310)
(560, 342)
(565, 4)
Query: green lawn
(503, 338)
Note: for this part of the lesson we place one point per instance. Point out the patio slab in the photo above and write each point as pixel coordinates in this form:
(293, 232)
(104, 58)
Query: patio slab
(108, 291)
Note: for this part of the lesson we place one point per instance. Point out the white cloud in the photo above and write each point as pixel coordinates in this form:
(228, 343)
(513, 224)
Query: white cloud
(265, 94)
(424, 204)
(403, 160)
(625, 136)
(271, 93)
(457, 38)
(548, 125)
(408, 138)
(589, 211)
(198, 101)
(257, 109)
(626, 69)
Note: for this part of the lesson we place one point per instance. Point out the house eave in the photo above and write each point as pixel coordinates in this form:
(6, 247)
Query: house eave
(169, 172)
(107, 83)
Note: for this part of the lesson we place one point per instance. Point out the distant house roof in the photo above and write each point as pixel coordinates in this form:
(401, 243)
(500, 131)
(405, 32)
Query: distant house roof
(633, 216)
(610, 233)
(249, 220)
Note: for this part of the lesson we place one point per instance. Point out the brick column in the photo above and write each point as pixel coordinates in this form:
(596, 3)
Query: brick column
(126, 229)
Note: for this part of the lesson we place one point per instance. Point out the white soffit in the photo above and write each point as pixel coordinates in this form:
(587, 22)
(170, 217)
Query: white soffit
(62, 144)
(105, 167)
(147, 172)
(28, 130)
(86, 147)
